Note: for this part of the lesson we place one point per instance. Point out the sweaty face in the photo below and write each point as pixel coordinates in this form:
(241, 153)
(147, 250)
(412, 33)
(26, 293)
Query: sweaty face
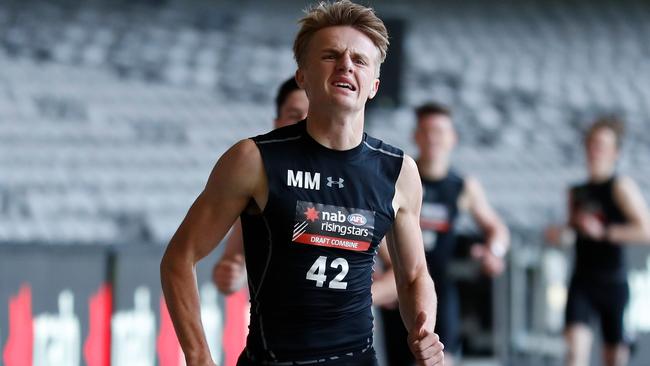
(340, 68)
(602, 151)
(435, 136)
(293, 110)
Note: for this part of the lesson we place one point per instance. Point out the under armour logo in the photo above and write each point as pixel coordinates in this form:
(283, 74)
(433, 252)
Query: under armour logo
(339, 183)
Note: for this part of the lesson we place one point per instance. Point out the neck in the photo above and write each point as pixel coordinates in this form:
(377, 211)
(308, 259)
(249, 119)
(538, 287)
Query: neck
(433, 168)
(336, 131)
(600, 176)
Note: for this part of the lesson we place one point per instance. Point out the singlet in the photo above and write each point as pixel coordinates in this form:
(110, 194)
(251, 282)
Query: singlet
(438, 221)
(310, 253)
(598, 260)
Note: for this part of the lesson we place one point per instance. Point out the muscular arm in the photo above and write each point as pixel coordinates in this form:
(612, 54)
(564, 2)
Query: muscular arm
(630, 200)
(497, 236)
(237, 178)
(417, 296)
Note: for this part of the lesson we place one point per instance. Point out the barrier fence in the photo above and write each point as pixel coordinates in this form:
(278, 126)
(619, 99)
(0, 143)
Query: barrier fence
(70, 305)
(102, 306)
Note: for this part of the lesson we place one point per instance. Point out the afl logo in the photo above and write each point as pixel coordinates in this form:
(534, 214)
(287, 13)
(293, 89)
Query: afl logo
(357, 219)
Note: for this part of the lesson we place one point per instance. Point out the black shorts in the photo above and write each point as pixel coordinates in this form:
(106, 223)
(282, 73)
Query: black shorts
(605, 300)
(366, 358)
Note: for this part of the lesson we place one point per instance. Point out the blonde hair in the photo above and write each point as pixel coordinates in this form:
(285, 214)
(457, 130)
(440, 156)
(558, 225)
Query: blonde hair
(338, 13)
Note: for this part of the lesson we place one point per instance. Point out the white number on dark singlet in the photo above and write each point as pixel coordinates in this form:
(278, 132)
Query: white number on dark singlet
(317, 272)
(336, 282)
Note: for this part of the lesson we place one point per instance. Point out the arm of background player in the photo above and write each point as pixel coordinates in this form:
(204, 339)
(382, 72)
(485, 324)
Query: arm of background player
(229, 273)
(629, 198)
(417, 296)
(384, 290)
(237, 177)
(497, 236)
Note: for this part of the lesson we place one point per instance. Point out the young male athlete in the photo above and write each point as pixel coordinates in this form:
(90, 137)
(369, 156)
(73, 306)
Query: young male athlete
(605, 213)
(327, 193)
(229, 273)
(445, 194)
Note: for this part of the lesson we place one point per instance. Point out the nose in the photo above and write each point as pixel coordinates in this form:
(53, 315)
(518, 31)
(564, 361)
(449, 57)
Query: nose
(345, 63)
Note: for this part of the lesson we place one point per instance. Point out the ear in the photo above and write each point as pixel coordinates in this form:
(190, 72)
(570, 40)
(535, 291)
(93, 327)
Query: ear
(300, 78)
(374, 89)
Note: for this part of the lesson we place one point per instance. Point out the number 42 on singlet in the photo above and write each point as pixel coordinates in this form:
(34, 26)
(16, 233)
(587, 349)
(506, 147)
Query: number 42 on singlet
(317, 272)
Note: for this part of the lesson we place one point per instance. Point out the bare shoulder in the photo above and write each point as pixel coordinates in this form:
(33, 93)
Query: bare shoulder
(409, 175)
(625, 188)
(241, 156)
(409, 168)
(409, 186)
(239, 170)
(244, 151)
(625, 183)
(472, 184)
(472, 193)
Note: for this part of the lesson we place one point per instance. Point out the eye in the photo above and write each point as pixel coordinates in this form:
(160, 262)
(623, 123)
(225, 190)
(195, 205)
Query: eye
(360, 61)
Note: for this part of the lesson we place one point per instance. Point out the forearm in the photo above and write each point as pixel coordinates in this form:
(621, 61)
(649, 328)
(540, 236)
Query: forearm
(234, 249)
(628, 233)
(230, 270)
(384, 290)
(416, 296)
(498, 239)
(565, 236)
(179, 287)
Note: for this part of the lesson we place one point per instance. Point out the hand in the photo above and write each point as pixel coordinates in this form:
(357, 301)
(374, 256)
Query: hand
(206, 363)
(553, 235)
(424, 344)
(590, 226)
(200, 360)
(209, 363)
(490, 263)
(229, 274)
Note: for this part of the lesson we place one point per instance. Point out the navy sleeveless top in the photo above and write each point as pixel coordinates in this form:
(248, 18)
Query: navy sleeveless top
(310, 253)
(596, 259)
(438, 221)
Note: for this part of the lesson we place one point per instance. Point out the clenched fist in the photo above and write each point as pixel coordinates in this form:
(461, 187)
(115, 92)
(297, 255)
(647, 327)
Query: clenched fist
(425, 345)
(229, 274)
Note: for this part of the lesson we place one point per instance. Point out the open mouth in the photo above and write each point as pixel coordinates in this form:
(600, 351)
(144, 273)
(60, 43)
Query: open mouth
(345, 86)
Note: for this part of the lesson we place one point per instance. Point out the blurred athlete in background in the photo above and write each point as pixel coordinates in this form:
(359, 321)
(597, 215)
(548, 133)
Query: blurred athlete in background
(605, 212)
(445, 194)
